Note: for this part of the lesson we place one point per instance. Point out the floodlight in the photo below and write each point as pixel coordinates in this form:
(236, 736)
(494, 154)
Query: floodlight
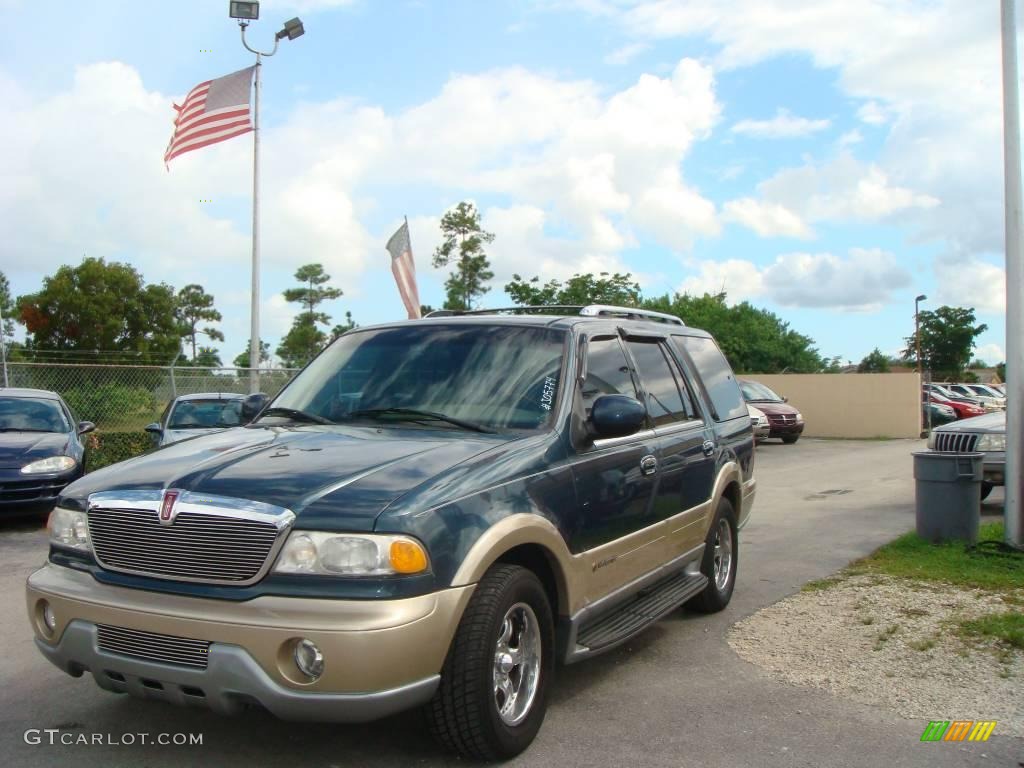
(292, 29)
(244, 9)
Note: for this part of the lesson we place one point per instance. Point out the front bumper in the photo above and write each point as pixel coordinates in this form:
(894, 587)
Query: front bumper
(783, 430)
(994, 468)
(380, 656)
(23, 493)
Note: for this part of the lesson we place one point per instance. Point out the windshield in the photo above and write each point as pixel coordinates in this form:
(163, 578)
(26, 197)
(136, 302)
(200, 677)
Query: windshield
(497, 377)
(205, 414)
(758, 393)
(25, 414)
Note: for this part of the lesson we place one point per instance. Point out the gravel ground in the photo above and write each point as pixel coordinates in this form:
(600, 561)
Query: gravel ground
(880, 640)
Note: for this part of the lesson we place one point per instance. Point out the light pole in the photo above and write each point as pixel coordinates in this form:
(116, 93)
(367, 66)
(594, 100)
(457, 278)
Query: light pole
(917, 330)
(246, 12)
(1014, 480)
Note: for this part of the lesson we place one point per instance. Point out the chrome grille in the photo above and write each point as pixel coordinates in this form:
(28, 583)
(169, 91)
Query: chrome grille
(166, 649)
(955, 442)
(197, 547)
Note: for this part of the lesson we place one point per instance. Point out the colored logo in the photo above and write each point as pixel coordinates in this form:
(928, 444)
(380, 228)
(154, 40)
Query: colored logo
(167, 507)
(958, 730)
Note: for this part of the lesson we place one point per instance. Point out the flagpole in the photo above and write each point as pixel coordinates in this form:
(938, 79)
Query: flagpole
(254, 310)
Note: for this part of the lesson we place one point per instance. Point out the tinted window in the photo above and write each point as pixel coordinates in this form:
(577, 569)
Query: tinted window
(716, 374)
(24, 414)
(756, 392)
(607, 371)
(664, 401)
(497, 376)
(206, 414)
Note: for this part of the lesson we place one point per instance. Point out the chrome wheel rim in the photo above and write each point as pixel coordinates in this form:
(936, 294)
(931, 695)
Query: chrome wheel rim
(516, 664)
(723, 554)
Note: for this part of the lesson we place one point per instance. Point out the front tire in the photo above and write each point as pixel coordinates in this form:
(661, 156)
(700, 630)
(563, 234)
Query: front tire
(493, 692)
(790, 439)
(721, 552)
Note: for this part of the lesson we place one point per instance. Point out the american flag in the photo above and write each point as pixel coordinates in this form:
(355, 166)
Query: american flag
(213, 111)
(404, 270)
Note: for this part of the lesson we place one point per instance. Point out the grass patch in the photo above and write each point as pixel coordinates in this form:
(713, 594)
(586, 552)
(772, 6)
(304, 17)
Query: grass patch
(885, 636)
(1006, 627)
(984, 567)
(819, 585)
(924, 644)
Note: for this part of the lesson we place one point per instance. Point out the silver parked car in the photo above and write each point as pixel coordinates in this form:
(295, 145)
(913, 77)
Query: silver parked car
(759, 421)
(198, 414)
(984, 434)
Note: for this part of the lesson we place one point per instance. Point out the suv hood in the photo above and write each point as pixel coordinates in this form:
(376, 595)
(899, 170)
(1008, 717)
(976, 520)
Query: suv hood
(990, 422)
(19, 448)
(338, 478)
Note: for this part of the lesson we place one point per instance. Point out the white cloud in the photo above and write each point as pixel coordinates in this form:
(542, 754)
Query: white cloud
(850, 138)
(843, 188)
(766, 219)
(930, 69)
(862, 281)
(992, 354)
(971, 282)
(739, 279)
(625, 54)
(783, 126)
(865, 280)
(872, 113)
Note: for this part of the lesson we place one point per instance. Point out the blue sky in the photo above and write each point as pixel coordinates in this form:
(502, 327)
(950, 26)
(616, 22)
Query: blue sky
(826, 160)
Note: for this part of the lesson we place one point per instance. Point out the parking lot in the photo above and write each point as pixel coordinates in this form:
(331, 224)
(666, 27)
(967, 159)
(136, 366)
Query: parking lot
(676, 696)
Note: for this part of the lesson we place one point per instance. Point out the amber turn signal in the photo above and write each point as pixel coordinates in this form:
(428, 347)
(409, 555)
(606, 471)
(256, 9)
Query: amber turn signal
(408, 556)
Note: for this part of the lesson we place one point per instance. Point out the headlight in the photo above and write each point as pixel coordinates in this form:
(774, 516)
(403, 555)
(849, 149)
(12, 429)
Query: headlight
(69, 528)
(799, 416)
(51, 464)
(351, 554)
(992, 443)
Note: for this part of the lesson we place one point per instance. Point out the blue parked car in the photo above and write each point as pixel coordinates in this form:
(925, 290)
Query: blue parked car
(432, 514)
(41, 449)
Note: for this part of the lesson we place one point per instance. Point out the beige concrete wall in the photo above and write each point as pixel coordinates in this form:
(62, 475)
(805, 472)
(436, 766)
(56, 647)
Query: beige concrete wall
(852, 404)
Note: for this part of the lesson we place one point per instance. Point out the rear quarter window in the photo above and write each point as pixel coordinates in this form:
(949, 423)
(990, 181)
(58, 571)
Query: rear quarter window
(716, 374)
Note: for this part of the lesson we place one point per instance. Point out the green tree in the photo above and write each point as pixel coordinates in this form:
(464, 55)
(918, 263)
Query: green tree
(978, 363)
(1001, 371)
(579, 289)
(242, 360)
(948, 337)
(97, 306)
(7, 309)
(874, 362)
(341, 328)
(754, 340)
(464, 241)
(208, 357)
(195, 306)
(305, 339)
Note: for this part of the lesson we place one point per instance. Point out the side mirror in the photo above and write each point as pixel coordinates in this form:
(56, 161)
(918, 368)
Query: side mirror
(785, 399)
(617, 416)
(85, 427)
(154, 429)
(252, 405)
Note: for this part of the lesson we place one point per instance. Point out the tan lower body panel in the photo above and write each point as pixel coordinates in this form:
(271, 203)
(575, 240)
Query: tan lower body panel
(368, 645)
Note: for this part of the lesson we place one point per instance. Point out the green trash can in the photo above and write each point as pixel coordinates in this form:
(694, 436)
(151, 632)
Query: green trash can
(948, 495)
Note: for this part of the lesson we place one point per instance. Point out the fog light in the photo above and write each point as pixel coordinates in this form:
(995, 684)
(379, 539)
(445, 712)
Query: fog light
(308, 659)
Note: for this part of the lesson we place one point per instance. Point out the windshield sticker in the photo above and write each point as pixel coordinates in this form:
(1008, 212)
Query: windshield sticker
(547, 396)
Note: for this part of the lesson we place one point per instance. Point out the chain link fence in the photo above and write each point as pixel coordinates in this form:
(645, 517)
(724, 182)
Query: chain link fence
(125, 398)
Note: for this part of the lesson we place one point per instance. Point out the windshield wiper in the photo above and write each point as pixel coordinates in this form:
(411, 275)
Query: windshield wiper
(413, 414)
(295, 415)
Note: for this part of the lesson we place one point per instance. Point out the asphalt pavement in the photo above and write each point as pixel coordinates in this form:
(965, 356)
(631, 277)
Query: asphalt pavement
(675, 696)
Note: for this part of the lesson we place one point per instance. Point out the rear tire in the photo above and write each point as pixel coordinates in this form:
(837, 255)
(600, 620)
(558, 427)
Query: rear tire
(721, 558)
(493, 693)
(790, 439)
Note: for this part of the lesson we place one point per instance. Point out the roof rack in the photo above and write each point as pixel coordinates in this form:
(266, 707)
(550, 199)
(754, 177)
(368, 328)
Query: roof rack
(589, 310)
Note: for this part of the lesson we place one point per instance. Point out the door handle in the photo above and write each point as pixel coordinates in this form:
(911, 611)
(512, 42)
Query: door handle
(708, 448)
(648, 465)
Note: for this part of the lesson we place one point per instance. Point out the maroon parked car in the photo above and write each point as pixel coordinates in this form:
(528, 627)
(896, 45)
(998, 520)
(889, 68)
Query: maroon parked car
(786, 421)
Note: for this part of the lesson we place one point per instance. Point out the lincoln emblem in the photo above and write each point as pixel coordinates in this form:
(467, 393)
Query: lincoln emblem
(167, 507)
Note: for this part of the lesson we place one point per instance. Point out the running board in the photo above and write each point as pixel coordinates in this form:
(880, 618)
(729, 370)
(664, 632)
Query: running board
(626, 620)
